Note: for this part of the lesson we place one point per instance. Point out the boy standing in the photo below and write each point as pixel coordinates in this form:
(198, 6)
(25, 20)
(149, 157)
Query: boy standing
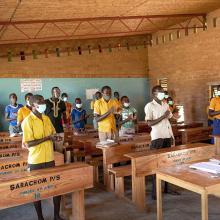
(11, 112)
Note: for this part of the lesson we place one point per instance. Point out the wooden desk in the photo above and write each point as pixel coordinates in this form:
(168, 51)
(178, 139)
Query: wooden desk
(10, 145)
(19, 164)
(193, 180)
(26, 187)
(146, 163)
(189, 125)
(115, 154)
(4, 139)
(193, 135)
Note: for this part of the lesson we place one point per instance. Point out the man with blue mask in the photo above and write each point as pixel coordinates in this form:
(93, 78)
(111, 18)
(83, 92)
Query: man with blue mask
(157, 115)
(104, 111)
(214, 111)
(38, 137)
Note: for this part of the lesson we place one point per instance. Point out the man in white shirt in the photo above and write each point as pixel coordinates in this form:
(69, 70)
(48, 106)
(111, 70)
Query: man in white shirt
(157, 115)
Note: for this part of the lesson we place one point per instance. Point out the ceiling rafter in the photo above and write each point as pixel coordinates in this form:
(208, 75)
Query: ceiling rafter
(57, 23)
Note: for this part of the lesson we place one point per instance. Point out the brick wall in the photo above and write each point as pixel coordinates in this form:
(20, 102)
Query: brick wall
(190, 63)
(118, 63)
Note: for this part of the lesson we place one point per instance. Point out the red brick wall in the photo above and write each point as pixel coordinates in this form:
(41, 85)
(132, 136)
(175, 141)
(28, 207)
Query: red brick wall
(190, 63)
(118, 63)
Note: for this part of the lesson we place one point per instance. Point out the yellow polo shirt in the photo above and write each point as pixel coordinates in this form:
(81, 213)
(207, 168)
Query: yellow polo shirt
(33, 129)
(23, 113)
(101, 107)
(215, 105)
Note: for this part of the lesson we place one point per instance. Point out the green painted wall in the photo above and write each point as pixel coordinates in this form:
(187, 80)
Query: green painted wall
(136, 88)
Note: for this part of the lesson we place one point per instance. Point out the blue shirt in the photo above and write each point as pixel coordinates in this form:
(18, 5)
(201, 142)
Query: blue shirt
(11, 112)
(77, 115)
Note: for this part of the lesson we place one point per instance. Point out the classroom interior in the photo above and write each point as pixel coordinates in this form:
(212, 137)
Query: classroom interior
(131, 46)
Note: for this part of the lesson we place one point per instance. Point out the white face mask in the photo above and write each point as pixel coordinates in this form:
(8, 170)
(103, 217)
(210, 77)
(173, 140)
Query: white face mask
(218, 93)
(160, 96)
(126, 104)
(65, 99)
(166, 96)
(28, 103)
(79, 105)
(170, 102)
(41, 108)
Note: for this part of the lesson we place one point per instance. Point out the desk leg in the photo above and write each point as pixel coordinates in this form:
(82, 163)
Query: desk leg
(204, 206)
(138, 192)
(159, 199)
(78, 206)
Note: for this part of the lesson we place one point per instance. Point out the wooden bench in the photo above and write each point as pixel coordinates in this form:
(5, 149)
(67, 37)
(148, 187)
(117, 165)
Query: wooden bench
(146, 163)
(115, 154)
(4, 139)
(193, 135)
(17, 189)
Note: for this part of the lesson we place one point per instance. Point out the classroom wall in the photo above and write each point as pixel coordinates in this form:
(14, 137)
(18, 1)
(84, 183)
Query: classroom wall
(190, 63)
(136, 88)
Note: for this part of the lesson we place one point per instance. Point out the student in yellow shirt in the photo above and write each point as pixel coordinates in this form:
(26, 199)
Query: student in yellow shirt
(25, 110)
(38, 137)
(117, 98)
(98, 95)
(214, 111)
(104, 111)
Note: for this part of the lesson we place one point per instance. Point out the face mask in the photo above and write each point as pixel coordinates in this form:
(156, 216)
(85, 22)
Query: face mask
(65, 99)
(126, 104)
(41, 108)
(166, 96)
(78, 105)
(107, 97)
(28, 103)
(218, 93)
(170, 102)
(160, 96)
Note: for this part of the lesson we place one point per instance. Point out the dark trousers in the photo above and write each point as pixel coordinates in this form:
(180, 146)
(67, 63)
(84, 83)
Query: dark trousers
(216, 128)
(56, 199)
(158, 144)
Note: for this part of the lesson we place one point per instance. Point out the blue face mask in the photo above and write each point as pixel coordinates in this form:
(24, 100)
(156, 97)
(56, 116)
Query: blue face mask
(106, 97)
(41, 108)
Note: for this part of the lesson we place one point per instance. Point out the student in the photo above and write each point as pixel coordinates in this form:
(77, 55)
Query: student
(104, 110)
(117, 98)
(98, 95)
(25, 110)
(157, 116)
(38, 137)
(128, 117)
(56, 111)
(65, 98)
(214, 111)
(11, 112)
(78, 116)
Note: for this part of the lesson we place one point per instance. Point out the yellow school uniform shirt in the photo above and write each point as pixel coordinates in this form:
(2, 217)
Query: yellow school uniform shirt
(100, 108)
(215, 105)
(23, 113)
(209, 117)
(33, 129)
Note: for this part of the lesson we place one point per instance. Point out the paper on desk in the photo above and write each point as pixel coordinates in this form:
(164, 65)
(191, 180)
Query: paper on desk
(209, 167)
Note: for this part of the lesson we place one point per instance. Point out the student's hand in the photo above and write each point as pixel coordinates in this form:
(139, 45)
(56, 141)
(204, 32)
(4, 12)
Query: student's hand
(130, 117)
(166, 114)
(112, 109)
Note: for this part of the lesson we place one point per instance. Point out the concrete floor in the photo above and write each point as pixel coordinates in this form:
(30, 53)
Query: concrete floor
(102, 205)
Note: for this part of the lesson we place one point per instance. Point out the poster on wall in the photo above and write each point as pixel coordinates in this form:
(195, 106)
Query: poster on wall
(31, 85)
(90, 93)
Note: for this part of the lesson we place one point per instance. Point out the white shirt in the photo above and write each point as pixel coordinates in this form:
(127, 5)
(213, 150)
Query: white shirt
(163, 129)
